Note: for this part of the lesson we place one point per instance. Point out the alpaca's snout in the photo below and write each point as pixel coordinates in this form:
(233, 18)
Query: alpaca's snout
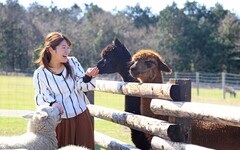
(134, 71)
(100, 65)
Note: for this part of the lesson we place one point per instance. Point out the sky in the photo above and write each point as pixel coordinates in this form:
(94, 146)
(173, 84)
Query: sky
(155, 5)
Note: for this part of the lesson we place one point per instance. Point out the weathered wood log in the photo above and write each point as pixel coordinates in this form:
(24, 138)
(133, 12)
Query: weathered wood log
(111, 143)
(184, 86)
(150, 90)
(158, 143)
(228, 115)
(185, 96)
(145, 124)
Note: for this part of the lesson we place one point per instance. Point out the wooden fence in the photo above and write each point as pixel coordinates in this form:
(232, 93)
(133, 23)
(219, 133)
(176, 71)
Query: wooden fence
(173, 100)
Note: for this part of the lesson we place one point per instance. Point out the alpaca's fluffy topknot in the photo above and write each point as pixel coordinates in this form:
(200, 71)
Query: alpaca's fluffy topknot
(146, 53)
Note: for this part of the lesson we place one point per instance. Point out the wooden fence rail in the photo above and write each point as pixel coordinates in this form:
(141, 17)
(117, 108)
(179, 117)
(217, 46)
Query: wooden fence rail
(111, 143)
(151, 90)
(229, 115)
(163, 144)
(173, 100)
(148, 125)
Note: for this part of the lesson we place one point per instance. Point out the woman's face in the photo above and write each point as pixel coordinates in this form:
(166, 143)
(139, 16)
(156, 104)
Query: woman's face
(61, 52)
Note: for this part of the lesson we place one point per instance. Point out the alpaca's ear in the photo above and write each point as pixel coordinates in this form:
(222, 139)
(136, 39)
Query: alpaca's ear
(117, 42)
(164, 67)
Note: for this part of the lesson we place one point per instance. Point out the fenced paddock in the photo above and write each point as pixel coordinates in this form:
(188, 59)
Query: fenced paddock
(212, 80)
(20, 96)
(173, 100)
(209, 80)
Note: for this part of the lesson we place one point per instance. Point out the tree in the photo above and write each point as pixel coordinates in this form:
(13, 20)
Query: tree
(13, 34)
(195, 36)
(141, 17)
(228, 38)
(171, 23)
(189, 39)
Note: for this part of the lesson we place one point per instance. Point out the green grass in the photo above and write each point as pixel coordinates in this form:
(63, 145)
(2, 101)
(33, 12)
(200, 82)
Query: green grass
(215, 96)
(12, 126)
(114, 130)
(18, 93)
(113, 101)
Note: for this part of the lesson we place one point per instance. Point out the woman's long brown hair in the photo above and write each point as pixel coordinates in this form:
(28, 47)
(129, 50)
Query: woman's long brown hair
(52, 40)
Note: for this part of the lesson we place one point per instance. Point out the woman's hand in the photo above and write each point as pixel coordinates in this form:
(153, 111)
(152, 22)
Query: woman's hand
(60, 107)
(91, 72)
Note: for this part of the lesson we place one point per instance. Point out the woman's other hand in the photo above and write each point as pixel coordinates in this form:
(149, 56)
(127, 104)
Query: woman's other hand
(59, 106)
(91, 72)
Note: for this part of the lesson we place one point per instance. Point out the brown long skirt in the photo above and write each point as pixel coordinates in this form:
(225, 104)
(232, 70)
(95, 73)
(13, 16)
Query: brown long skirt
(76, 131)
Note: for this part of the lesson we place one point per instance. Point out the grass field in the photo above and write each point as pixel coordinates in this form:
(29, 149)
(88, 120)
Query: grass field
(17, 93)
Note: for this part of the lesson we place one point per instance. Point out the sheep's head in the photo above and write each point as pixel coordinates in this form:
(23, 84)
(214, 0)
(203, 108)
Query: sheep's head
(44, 120)
(147, 66)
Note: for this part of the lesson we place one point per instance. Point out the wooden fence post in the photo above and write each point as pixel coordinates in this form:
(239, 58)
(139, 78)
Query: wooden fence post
(223, 84)
(90, 96)
(185, 96)
(197, 82)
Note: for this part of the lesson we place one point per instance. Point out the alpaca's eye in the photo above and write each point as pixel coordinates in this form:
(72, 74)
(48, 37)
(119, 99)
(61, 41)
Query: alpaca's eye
(107, 61)
(149, 63)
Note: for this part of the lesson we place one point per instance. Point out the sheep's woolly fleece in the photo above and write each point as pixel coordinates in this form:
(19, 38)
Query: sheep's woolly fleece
(73, 147)
(40, 133)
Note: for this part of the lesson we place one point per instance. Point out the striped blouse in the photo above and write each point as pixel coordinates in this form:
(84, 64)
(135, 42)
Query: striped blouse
(50, 88)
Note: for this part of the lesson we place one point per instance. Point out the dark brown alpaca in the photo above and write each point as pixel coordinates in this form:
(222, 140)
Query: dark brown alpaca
(116, 59)
(147, 67)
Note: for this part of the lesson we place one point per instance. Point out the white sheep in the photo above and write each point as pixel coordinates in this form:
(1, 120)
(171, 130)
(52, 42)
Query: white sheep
(73, 147)
(40, 133)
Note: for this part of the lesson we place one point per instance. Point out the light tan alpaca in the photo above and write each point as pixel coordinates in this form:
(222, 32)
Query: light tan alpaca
(147, 67)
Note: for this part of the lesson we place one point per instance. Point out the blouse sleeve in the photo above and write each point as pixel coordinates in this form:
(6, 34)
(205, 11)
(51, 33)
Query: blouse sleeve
(83, 82)
(43, 95)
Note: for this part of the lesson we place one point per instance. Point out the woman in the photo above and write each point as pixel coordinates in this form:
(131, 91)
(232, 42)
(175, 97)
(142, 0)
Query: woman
(60, 81)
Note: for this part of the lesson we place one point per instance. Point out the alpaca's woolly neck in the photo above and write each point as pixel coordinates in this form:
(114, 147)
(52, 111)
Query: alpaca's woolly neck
(145, 102)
